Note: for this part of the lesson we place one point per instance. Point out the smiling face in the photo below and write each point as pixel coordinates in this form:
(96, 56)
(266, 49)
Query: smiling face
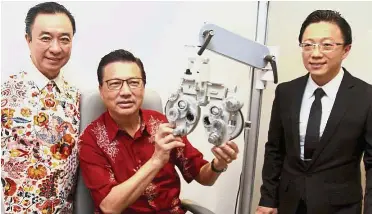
(124, 101)
(50, 43)
(324, 66)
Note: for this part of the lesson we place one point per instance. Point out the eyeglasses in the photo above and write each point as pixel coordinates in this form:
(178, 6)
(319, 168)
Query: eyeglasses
(117, 84)
(323, 47)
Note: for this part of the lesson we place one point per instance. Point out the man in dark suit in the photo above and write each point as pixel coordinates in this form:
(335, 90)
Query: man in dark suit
(321, 124)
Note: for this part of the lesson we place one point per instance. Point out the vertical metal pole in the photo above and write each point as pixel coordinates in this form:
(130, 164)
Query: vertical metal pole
(254, 113)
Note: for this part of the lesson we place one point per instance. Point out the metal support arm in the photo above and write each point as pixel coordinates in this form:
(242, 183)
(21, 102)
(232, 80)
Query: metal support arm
(256, 55)
(236, 48)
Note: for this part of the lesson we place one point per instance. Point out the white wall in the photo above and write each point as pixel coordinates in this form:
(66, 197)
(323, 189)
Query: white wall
(289, 16)
(156, 32)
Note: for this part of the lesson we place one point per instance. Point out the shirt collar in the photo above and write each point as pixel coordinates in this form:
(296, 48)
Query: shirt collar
(330, 88)
(113, 128)
(40, 80)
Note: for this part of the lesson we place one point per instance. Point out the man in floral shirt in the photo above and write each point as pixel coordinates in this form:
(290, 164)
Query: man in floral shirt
(128, 155)
(40, 119)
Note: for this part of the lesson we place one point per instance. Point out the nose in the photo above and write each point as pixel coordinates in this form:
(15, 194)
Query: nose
(55, 47)
(316, 52)
(125, 90)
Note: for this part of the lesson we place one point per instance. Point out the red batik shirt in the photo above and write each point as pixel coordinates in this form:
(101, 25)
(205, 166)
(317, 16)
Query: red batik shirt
(109, 156)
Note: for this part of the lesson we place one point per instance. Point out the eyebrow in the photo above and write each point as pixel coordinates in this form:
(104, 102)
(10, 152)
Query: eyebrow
(122, 79)
(48, 33)
(325, 38)
(126, 78)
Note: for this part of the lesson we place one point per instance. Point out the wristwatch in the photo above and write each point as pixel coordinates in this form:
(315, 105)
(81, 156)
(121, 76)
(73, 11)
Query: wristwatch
(216, 170)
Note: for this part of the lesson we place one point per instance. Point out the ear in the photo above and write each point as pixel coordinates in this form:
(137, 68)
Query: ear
(347, 49)
(100, 88)
(28, 38)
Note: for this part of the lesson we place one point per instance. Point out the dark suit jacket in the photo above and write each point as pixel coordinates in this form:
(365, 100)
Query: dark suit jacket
(332, 178)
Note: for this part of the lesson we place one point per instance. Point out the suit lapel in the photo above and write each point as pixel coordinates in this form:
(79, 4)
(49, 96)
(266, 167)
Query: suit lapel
(296, 108)
(344, 98)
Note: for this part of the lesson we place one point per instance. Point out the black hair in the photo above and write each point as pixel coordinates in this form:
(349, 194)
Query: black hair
(46, 8)
(119, 55)
(328, 16)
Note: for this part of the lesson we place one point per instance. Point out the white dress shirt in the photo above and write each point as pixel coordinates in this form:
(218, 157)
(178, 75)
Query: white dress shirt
(330, 89)
(33, 74)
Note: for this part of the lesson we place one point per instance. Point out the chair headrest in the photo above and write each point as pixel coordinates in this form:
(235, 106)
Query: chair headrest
(92, 106)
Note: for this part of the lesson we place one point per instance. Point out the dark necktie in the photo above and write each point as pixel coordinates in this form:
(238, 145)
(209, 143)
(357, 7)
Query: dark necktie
(312, 137)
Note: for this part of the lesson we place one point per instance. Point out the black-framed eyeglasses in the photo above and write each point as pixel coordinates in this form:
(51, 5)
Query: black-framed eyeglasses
(323, 47)
(117, 84)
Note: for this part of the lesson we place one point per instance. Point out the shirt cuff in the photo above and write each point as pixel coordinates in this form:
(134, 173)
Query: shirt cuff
(264, 202)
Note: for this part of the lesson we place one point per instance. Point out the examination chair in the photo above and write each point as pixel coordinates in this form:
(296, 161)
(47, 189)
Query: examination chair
(91, 108)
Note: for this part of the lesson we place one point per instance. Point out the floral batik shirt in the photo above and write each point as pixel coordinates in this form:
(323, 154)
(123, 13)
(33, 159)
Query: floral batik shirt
(109, 157)
(39, 130)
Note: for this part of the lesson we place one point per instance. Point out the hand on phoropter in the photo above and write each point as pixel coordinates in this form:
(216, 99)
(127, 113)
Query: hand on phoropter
(165, 141)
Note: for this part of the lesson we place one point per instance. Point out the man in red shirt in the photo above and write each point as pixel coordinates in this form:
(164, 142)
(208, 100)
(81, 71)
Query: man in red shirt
(128, 155)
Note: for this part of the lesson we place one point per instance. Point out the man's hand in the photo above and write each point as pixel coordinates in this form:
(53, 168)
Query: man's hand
(225, 154)
(165, 141)
(266, 210)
